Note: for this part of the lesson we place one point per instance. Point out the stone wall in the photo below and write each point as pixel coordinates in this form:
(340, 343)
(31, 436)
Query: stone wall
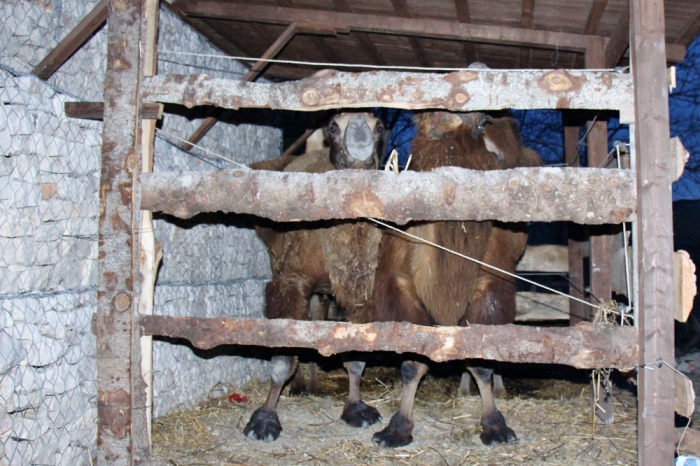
(212, 266)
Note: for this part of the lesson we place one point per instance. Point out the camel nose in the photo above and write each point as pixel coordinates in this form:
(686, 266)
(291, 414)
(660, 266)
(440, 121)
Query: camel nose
(358, 140)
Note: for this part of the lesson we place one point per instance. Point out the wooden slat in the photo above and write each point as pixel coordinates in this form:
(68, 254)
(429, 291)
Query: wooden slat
(72, 42)
(584, 346)
(688, 441)
(545, 258)
(597, 149)
(523, 194)
(458, 91)
(390, 25)
(95, 110)
(150, 251)
(538, 307)
(578, 312)
(654, 236)
(684, 285)
(121, 439)
(201, 26)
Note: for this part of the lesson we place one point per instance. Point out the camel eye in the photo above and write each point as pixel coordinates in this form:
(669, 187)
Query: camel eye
(379, 129)
(334, 129)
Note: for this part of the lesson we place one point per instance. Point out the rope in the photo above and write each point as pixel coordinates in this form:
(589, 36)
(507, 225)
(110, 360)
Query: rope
(418, 238)
(552, 290)
(349, 65)
(200, 148)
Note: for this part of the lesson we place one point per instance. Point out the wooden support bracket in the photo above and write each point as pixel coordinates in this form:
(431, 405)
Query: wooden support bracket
(72, 42)
(95, 110)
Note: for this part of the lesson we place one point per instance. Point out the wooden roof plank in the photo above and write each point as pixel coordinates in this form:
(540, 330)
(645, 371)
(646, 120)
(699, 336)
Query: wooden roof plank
(209, 32)
(72, 42)
(691, 30)
(402, 10)
(391, 25)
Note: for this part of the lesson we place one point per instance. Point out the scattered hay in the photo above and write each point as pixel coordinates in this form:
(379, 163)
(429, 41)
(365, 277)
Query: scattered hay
(551, 418)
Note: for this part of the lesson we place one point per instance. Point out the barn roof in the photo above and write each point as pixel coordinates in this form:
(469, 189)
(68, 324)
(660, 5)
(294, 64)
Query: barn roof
(429, 33)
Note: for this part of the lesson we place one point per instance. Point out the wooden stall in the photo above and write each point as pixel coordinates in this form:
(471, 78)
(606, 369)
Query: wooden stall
(641, 195)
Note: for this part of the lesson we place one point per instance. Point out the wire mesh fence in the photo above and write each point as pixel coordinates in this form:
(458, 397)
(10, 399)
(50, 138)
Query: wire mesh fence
(49, 178)
(49, 206)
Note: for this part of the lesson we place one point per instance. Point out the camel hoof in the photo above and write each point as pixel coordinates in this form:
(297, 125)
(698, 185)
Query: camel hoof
(263, 425)
(495, 430)
(360, 414)
(396, 434)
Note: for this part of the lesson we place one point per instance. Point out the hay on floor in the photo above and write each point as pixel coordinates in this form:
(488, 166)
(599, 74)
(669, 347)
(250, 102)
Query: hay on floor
(552, 419)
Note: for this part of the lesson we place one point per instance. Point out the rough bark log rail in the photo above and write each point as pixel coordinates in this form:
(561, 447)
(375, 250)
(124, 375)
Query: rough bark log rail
(585, 346)
(458, 91)
(581, 195)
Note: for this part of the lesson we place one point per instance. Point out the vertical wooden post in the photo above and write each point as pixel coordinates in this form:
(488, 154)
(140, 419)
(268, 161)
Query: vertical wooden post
(597, 142)
(120, 389)
(150, 252)
(655, 231)
(577, 311)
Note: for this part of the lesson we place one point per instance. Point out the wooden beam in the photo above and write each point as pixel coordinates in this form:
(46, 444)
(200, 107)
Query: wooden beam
(95, 110)
(654, 232)
(461, 91)
(577, 310)
(527, 17)
(422, 27)
(201, 26)
(584, 346)
(601, 239)
(594, 15)
(690, 31)
(365, 42)
(121, 439)
(250, 76)
(618, 43)
(75, 39)
(402, 11)
(464, 17)
(150, 250)
(586, 196)
(300, 140)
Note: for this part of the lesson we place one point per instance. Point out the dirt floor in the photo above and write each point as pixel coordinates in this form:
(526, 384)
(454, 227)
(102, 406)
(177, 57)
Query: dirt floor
(548, 408)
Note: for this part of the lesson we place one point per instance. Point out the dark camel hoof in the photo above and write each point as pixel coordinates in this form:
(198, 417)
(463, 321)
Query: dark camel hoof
(495, 430)
(360, 414)
(263, 425)
(397, 433)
